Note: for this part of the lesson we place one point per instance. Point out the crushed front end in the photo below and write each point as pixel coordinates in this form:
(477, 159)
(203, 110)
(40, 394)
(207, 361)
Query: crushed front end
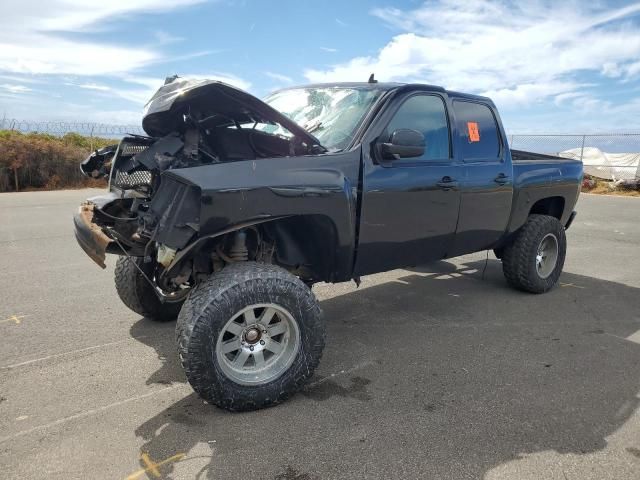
(152, 215)
(132, 219)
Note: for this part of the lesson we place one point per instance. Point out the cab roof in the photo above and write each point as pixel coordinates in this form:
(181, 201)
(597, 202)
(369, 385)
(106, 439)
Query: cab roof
(388, 86)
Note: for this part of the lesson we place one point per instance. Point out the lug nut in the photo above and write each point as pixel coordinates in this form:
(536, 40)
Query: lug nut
(251, 348)
(261, 342)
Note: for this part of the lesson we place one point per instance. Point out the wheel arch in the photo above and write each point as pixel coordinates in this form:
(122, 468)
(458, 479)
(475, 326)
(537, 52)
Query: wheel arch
(552, 206)
(307, 245)
(537, 201)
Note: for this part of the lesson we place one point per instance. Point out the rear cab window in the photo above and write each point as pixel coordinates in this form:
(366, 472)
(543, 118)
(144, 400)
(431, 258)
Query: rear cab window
(478, 136)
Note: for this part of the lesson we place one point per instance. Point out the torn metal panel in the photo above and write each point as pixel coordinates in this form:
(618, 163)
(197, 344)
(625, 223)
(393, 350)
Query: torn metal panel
(98, 164)
(90, 236)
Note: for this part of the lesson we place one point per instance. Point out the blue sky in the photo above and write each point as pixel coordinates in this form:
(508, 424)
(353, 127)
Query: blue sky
(550, 66)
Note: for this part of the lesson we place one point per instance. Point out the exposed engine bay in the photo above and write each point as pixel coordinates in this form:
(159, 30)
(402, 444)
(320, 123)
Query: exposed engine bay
(189, 123)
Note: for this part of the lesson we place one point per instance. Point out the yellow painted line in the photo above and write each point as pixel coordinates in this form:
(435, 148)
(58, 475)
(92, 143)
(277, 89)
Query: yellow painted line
(151, 467)
(634, 337)
(17, 319)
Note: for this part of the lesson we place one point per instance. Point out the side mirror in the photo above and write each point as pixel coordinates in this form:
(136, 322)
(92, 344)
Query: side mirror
(403, 143)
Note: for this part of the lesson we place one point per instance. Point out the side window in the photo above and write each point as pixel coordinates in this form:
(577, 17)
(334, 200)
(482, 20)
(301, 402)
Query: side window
(477, 130)
(426, 114)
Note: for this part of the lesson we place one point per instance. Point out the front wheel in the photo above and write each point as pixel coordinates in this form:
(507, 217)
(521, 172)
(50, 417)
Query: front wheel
(533, 261)
(250, 336)
(139, 295)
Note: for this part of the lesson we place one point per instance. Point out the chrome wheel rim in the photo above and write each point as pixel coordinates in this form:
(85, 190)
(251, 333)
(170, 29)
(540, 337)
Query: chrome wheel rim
(547, 255)
(258, 344)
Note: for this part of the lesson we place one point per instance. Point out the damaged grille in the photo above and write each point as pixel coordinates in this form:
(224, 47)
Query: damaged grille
(123, 177)
(125, 180)
(130, 149)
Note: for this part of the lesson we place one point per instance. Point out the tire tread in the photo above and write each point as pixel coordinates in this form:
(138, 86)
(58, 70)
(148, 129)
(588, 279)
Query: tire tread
(136, 293)
(516, 257)
(194, 324)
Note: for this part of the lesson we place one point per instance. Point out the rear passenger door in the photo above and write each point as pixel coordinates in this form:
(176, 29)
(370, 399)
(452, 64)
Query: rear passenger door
(486, 183)
(409, 205)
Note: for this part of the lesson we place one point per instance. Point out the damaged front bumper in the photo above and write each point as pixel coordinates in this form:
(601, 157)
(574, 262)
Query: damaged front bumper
(90, 236)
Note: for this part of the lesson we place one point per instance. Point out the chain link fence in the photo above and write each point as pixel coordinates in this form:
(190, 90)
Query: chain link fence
(89, 129)
(613, 155)
(581, 147)
(50, 160)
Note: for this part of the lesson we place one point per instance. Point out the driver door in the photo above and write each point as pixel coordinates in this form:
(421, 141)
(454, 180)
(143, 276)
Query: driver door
(409, 205)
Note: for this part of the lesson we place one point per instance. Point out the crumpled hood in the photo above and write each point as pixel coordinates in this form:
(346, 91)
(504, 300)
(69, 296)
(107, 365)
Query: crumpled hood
(163, 114)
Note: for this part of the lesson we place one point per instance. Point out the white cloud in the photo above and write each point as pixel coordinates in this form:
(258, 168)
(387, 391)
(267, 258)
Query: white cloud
(518, 53)
(279, 77)
(611, 70)
(90, 86)
(328, 49)
(21, 78)
(164, 38)
(43, 55)
(633, 69)
(15, 88)
(563, 98)
(528, 93)
(78, 15)
(35, 47)
(30, 40)
(47, 108)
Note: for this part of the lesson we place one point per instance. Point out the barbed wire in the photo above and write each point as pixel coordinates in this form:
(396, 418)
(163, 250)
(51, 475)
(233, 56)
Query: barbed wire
(90, 129)
(567, 145)
(96, 129)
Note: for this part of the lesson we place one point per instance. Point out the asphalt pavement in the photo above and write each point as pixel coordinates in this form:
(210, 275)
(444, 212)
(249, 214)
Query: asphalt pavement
(437, 372)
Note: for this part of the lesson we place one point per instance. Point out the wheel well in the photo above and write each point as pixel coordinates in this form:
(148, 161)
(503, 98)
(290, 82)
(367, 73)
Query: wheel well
(553, 206)
(305, 244)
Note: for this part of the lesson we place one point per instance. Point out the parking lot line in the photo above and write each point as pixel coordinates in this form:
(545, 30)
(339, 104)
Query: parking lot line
(17, 319)
(93, 411)
(71, 352)
(151, 467)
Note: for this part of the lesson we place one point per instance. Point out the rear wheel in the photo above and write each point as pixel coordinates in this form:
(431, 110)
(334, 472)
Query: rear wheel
(250, 336)
(136, 293)
(533, 261)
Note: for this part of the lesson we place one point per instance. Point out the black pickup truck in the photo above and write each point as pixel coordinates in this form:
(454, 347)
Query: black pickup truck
(232, 207)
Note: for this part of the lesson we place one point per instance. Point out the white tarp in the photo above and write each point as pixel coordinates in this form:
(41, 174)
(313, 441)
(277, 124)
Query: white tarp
(610, 166)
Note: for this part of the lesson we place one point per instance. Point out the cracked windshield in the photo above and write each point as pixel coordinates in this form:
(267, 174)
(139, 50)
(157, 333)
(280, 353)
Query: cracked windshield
(332, 115)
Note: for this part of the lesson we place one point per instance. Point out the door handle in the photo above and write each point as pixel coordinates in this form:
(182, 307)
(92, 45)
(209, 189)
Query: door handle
(501, 179)
(447, 183)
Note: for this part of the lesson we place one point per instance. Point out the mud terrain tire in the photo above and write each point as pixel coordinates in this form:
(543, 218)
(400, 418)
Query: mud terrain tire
(136, 293)
(523, 259)
(212, 322)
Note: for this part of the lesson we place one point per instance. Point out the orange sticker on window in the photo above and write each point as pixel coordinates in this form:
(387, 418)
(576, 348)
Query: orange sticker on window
(474, 133)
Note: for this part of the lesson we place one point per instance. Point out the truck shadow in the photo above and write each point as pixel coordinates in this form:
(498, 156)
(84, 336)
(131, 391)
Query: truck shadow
(436, 374)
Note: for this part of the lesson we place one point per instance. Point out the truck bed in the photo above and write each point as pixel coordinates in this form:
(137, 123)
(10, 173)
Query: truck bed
(524, 156)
